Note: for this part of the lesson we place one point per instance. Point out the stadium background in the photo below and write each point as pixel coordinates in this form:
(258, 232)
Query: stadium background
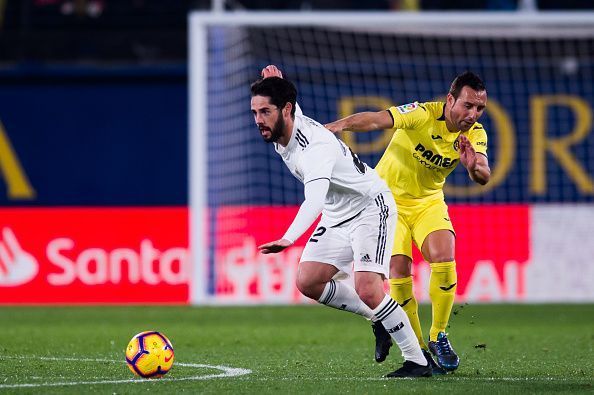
(97, 180)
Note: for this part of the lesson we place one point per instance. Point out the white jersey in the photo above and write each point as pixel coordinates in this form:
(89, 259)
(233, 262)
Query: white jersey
(313, 152)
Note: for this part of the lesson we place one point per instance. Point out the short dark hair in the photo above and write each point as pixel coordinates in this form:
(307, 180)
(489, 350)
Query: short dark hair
(279, 90)
(467, 78)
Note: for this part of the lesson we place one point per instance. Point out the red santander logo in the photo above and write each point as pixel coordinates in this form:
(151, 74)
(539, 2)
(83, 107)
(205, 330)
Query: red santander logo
(94, 266)
(94, 255)
(16, 265)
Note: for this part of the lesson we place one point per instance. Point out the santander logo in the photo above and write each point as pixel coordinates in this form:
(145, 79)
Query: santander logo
(92, 266)
(17, 266)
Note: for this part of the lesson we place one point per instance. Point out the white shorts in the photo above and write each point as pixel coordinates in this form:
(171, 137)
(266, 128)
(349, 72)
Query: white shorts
(361, 244)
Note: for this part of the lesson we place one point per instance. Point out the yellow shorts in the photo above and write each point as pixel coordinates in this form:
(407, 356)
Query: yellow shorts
(415, 222)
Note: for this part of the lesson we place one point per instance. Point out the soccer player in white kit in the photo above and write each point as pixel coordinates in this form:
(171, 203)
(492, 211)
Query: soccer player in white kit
(358, 218)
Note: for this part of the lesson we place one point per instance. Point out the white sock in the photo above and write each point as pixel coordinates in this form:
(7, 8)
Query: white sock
(341, 296)
(398, 326)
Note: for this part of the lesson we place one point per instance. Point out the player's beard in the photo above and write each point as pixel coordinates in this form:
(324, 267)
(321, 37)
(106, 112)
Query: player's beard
(460, 125)
(277, 130)
(465, 125)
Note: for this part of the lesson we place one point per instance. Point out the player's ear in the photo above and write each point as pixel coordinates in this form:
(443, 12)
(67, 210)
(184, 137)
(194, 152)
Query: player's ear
(287, 109)
(450, 100)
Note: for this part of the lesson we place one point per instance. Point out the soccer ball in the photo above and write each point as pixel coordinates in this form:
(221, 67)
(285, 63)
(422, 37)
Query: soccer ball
(149, 354)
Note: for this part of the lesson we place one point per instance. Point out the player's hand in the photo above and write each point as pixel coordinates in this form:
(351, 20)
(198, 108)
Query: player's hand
(334, 127)
(271, 71)
(274, 246)
(467, 153)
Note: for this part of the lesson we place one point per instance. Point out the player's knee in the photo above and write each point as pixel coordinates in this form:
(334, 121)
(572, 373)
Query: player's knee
(307, 287)
(371, 296)
(367, 298)
(396, 272)
(400, 266)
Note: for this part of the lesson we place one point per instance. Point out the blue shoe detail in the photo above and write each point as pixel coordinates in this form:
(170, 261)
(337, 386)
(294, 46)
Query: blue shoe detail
(446, 357)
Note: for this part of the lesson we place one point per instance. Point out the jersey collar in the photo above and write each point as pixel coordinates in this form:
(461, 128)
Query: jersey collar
(442, 117)
(450, 136)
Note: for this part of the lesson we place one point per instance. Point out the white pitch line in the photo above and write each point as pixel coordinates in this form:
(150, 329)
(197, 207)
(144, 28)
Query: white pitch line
(226, 372)
(447, 378)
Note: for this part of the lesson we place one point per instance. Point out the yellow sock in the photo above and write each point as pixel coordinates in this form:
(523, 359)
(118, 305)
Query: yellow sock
(401, 290)
(442, 291)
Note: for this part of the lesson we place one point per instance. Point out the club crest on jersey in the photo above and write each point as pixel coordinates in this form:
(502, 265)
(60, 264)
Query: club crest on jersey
(405, 108)
(456, 145)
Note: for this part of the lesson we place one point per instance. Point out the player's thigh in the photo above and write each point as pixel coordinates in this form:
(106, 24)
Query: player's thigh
(434, 217)
(402, 244)
(331, 246)
(372, 235)
(312, 272)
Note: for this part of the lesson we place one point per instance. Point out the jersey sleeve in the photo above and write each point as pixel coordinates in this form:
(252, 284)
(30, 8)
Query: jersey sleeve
(310, 209)
(478, 139)
(408, 116)
(318, 162)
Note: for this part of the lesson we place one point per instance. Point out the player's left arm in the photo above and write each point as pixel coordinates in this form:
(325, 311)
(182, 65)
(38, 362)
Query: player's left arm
(475, 163)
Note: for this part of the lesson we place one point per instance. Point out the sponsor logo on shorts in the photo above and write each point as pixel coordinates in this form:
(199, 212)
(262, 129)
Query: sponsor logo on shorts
(366, 258)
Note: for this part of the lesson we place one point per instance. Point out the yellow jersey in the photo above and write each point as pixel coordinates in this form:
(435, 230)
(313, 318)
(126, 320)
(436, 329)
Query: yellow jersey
(423, 152)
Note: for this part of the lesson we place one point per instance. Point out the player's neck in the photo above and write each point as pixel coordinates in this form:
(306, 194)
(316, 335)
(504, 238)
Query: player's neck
(449, 125)
(288, 132)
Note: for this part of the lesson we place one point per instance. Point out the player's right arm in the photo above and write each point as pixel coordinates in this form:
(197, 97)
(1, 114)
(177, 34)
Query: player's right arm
(363, 122)
(310, 209)
(317, 165)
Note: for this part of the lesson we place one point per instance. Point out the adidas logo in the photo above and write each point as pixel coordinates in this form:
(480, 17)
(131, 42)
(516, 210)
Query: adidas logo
(366, 258)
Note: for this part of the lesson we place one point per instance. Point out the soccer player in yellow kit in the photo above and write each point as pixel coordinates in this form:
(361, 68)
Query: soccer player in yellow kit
(428, 142)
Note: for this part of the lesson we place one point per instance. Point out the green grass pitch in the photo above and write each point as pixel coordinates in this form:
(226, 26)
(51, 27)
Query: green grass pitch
(299, 349)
